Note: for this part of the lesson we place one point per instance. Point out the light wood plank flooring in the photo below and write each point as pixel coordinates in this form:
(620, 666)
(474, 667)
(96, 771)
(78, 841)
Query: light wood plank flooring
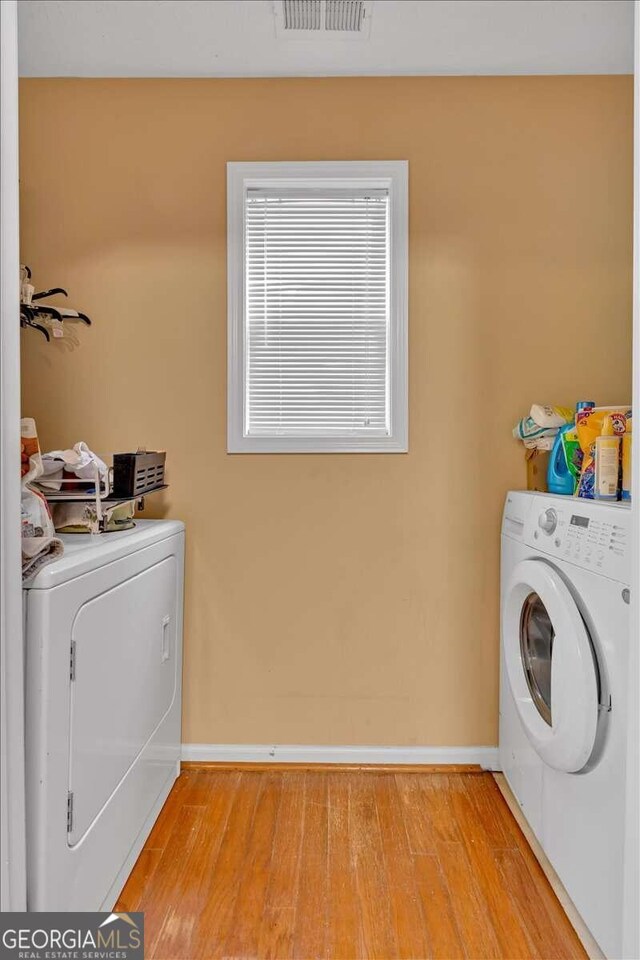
(343, 864)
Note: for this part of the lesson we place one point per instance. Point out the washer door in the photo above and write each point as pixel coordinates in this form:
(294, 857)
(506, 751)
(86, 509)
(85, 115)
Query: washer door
(551, 666)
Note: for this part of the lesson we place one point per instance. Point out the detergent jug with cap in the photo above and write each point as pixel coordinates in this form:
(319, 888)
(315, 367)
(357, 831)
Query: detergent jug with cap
(607, 462)
(563, 473)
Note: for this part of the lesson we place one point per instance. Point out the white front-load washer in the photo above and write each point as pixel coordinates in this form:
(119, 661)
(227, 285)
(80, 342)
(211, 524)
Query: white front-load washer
(103, 637)
(565, 623)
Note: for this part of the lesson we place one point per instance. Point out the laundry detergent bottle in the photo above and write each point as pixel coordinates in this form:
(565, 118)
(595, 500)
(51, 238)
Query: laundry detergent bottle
(607, 462)
(560, 479)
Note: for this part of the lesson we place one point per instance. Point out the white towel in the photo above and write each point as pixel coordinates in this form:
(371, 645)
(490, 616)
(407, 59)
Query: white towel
(79, 460)
(39, 543)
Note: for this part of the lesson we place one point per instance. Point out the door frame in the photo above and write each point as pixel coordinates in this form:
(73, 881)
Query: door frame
(631, 892)
(12, 796)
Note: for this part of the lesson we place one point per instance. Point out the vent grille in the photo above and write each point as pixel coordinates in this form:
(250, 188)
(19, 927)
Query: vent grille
(344, 15)
(302, 14)
(316, 18)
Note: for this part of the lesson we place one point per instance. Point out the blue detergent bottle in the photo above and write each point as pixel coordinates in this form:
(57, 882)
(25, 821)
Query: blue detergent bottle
(560, 480)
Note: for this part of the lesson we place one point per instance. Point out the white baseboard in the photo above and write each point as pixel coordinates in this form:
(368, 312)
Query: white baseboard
(486, 757)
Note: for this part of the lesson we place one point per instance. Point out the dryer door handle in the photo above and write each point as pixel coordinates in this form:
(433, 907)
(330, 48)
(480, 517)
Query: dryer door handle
(165, 639)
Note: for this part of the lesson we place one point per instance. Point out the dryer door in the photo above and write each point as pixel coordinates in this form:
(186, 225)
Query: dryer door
(551, 666)
(124, 683)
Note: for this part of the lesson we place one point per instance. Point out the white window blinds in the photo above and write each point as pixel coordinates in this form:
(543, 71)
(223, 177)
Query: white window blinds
(316, 315)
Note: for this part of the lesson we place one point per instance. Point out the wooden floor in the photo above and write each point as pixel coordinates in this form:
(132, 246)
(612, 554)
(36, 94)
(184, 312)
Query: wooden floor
(342, 864)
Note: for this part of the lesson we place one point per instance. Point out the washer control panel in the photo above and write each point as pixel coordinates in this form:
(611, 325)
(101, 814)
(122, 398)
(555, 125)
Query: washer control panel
(591, 534)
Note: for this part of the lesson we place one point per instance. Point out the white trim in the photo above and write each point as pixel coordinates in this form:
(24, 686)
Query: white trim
(486, 757)
(390, 174)
(12, 842)
(631, 890)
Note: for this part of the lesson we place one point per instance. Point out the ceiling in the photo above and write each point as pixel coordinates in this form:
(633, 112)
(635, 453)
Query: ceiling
(237, 38)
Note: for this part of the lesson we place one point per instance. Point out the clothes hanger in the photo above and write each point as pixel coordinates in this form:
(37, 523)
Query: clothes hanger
(46, 311)
(49, 293)
(61, 313)
(27, 320)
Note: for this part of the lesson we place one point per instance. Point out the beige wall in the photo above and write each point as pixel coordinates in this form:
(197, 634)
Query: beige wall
(334, 599)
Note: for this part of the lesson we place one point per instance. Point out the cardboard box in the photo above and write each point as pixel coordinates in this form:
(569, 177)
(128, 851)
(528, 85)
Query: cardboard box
(537, 465)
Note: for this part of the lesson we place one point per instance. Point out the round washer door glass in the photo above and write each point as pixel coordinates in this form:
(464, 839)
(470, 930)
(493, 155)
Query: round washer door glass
(536, 649)
(551, 665)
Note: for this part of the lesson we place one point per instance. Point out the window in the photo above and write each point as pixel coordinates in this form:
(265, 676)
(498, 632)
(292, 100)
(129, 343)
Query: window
(317, 256)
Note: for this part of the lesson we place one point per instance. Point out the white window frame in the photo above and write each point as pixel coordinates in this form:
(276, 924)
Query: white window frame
(383, 174)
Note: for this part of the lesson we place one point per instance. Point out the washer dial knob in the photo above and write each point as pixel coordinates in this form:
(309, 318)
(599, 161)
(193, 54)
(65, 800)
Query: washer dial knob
(548, 520)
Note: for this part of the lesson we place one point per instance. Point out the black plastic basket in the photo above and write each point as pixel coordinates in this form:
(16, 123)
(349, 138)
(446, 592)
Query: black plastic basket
(137, 473)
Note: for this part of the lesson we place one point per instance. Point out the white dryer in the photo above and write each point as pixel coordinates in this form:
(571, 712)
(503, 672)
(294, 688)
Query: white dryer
(564, 649)
(103, 632)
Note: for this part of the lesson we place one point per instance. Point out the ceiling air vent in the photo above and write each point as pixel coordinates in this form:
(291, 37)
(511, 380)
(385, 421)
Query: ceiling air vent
(326, 19)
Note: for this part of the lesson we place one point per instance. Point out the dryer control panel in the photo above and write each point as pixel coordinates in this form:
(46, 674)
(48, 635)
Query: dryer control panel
(589, 533)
